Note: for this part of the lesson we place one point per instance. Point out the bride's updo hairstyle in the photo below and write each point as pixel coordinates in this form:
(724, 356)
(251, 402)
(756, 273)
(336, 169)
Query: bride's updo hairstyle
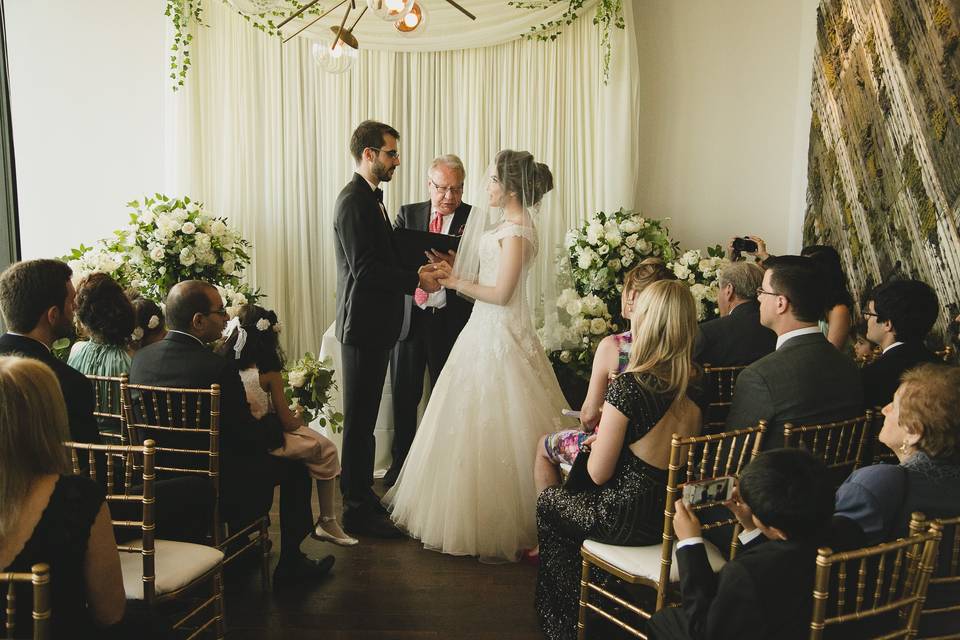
(664, 325)
(521, 175)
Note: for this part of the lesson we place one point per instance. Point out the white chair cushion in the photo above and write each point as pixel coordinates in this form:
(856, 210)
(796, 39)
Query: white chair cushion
(645, 561)
(177, 564)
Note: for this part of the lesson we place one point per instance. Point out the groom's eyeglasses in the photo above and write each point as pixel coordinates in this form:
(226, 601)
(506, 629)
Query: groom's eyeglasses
(393, 153)
(453, 191)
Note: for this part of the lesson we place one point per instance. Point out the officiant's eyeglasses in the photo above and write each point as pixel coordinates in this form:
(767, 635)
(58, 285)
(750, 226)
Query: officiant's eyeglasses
(453, 191)
(393, 153)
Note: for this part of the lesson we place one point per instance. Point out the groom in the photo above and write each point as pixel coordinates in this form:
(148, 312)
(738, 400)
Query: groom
(370, 290)
(431, 322)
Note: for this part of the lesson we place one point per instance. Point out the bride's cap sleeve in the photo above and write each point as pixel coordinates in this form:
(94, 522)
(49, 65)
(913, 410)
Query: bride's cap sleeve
(517, 230)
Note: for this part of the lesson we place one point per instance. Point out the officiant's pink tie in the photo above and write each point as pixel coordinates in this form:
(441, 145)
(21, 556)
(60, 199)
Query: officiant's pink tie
(436, 225)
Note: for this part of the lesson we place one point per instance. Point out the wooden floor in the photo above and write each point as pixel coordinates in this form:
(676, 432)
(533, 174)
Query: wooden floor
(386, 589)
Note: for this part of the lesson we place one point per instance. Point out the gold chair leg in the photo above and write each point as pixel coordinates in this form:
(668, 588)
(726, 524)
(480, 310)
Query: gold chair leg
(584, 596)
(221, 626)
(265, 553)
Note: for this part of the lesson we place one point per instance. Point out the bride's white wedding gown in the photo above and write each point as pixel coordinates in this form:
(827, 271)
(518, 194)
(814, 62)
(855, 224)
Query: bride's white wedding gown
(466, 487)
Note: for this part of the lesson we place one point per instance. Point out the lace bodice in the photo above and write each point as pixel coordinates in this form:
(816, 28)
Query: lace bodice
(259, 400)
(490, 251)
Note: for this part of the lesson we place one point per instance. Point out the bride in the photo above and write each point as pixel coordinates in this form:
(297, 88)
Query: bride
(466, 487)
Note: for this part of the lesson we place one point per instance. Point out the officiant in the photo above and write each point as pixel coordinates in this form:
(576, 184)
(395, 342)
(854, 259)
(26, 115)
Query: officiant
(431, 321)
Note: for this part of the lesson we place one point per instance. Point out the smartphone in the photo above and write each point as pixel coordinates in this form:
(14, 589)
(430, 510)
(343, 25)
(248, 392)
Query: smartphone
(744, 244)
(706, 491)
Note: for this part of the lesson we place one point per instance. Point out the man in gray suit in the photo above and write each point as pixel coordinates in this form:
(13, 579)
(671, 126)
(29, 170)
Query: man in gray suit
(806, 380)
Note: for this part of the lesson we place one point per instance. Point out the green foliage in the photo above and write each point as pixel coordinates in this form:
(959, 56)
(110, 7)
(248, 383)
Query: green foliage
(609, 14)
(308, 384)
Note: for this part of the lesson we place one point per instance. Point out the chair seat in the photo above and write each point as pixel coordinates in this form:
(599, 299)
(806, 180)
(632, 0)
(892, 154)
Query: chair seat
(176, 565)
(644, 562)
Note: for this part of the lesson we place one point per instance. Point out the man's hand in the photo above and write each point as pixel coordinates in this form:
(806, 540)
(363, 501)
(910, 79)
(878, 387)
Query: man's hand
(431, 274)
(685, 523)
(435, 256)
(741, 510)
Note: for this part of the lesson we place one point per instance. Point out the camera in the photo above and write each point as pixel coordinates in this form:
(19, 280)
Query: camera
(744, 244)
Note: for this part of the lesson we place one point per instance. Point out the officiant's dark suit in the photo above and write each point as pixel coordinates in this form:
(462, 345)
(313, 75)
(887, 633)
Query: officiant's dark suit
(735, 339)
(426, 338)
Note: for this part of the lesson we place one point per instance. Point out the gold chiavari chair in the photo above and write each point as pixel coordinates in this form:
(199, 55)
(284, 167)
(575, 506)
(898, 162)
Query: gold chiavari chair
(946, 575)
(157, 572)
(946, 354)
(720, 384)
(39, 577)
(108, 408)
(841, 445)
(884, 585)
(692, 459)
(185, 423)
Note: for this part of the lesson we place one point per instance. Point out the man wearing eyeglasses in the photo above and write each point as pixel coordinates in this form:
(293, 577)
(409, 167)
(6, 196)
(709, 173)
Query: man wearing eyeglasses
(431, 321)
(371, 285)
(805, 380)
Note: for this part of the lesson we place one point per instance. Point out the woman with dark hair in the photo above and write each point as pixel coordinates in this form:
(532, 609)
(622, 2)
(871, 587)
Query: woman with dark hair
(252, 341)
(149, 323)
(838, 315)
(106, 318)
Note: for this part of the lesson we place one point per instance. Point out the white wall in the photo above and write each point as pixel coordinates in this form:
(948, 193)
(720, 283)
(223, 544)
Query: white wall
(86, 82)
(724, 117)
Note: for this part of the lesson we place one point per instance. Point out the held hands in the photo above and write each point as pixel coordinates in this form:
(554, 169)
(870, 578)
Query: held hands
(741, 510)
(685, 522)
(430, 275)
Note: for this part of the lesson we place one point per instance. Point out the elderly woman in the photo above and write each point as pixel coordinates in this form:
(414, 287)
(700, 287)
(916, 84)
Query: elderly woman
(922, 426)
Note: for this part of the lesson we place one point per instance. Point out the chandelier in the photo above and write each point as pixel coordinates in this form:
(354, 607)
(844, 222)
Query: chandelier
(339, 51)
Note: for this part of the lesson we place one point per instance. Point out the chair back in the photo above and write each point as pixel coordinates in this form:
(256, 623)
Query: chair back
(138, 490)
(700, 458)
(946, 574)
(720, 382)
(888, 579)
(39, 578)
(108, 407)
(841, 445)
(185, 425)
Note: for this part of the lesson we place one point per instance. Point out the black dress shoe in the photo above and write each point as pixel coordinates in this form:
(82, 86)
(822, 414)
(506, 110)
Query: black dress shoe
(366, 522)
(301, 570)
(390, 478)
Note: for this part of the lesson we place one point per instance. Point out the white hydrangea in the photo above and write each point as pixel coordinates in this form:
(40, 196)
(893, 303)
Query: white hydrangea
(296, 378)
(217, 228)
(598, 326)
(585, 258)
(681, 271)
(595, 231)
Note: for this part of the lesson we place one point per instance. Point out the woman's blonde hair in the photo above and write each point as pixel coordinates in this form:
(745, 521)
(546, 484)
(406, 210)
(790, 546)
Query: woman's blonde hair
(664, 325)
(930, 400)
(33, 428)
(649, 270)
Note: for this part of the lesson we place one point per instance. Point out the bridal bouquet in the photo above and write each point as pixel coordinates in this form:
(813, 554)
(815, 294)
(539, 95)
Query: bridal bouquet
(585, 321)
(308, 383)
(703, 277)
(608, 245)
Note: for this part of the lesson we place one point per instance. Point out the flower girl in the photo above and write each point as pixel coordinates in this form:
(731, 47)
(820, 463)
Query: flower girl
(250, 339)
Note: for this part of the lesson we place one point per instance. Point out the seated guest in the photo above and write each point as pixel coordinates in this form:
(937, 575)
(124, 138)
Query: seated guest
(784, 502)
(838, 304)
(37, 300)
(610, 359)
(149, 324)
(864, 351)
(922, 427)
(735, 338)
(806, 380)
(627, 466)
(49, 515)
(899, 316)
(196, 316)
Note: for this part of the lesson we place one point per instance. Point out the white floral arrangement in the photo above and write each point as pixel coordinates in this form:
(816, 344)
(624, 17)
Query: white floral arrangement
(585, 321)
(169, 240)
(308, 383)
(608, 245)
(702, 275)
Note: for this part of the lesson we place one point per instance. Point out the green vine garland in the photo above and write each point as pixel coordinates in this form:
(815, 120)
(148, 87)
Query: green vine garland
(609, 13)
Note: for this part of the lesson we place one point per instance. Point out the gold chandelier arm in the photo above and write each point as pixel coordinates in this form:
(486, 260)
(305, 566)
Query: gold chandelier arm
(312, 22)
(297, 13)
(346, 14)
(462, 10)
(357, 20)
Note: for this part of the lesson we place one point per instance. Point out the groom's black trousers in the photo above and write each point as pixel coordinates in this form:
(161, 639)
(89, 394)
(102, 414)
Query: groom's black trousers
(364, 370)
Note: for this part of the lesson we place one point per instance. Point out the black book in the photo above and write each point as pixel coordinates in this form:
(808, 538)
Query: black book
(411, 246)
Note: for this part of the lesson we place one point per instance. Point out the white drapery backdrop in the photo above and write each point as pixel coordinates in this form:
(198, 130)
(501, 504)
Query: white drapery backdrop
(260, 135)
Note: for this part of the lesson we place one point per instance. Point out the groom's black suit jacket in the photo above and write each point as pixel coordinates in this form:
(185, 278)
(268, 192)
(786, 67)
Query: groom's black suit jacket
(417, 216)
(370, 281)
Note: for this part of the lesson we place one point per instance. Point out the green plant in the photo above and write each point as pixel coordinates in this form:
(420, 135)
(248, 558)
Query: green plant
(609, 14)
(308, 383)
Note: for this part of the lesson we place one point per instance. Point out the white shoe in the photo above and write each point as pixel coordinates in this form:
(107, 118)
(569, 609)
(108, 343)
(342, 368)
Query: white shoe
(319, 533)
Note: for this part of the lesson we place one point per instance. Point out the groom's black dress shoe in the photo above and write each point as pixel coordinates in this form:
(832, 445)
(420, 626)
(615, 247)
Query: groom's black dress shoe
(391, 476)
(366, 521)
(300, 570)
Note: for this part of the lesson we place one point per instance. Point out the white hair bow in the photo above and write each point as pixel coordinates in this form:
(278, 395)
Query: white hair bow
(234, 325)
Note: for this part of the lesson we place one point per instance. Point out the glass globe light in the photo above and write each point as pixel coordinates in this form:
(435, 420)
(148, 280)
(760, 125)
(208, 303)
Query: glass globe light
(413, 23)
(390, 10)
(336, 58)
(257, 7)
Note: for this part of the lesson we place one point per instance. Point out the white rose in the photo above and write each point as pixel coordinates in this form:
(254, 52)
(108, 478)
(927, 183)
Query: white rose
(217, 228)
(603, 250)
(627, 259)
(630, 226)
(613, 238)
(137, 334)
(582, 326)
(698, 290)
(585, 259)
(681, 271)
(187, 257)
(201, 239)
(162, 270)
(296, 378)
(189, 228)
(574, 307)
(643, 247)
(631, 240)
(228, 242)
(229, 266)
(565, 356)
(263, 324)
(598, 326)
(147, 217)
(153, 323)
(614, 264)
